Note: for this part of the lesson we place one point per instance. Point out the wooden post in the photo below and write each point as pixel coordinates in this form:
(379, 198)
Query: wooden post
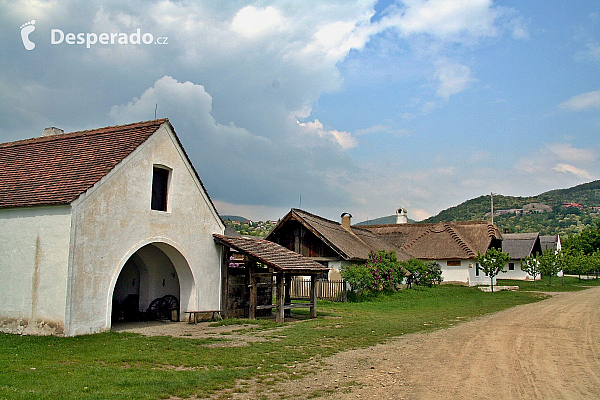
(313, 296)
(288, 297)
(280, 296)
(225, 282)
(253, 294)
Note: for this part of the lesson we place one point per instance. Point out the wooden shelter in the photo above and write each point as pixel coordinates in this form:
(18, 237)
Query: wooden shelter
(265, 265)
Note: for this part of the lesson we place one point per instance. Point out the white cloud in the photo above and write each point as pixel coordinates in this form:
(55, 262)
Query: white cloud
(383, 129)
(570, 169)
(251, 21)
(566, 152)
(344, 139)
(582, 101)
(446, 19)
(575, 165)
(453, 78)
(593, 51)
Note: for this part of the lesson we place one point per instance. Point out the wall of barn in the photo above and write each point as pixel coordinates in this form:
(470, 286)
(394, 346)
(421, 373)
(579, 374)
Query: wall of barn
(34, 243)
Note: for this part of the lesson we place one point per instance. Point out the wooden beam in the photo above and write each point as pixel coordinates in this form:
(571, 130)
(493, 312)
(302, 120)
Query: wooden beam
(253, 295)
(288, 297)
(297, 305)
(313, 296)
(280, 296)
(225, 282)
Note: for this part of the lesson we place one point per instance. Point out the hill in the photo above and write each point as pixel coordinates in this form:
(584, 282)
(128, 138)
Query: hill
(570, 210)
(233, 218)
(390, 219)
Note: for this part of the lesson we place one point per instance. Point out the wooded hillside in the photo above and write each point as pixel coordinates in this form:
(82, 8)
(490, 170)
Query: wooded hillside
(573, 209)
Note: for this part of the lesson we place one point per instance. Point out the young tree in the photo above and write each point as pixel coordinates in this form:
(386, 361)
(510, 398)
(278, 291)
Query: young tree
(492, 263)
(550, 264)
(576, 263)
(531, 266)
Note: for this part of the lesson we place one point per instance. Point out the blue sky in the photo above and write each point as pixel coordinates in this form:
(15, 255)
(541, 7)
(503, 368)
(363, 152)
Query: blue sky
(356, 106)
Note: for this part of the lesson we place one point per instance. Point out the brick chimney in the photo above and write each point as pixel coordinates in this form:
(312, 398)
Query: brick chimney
(52, 131)
(346, 218)
(401, 216)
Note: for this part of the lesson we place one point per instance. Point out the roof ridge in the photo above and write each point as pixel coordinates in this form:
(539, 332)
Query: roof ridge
(417, 238)
(461, 242)
(86, 132)
(314, 215)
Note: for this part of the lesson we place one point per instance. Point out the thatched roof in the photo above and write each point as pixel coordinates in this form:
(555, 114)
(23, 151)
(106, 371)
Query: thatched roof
(439, 241)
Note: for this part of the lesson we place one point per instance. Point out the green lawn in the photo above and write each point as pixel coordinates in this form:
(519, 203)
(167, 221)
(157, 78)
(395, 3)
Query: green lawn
(571, 284)
(119, 365)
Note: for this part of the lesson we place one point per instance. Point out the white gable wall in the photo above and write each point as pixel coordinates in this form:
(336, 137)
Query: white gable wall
(34, 243)
(113, 220)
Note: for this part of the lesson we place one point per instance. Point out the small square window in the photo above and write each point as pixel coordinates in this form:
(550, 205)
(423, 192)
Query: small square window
(511, 266)
(160, 185)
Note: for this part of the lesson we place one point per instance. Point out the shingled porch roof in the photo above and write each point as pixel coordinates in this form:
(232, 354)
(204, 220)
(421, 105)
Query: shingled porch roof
(272, 254)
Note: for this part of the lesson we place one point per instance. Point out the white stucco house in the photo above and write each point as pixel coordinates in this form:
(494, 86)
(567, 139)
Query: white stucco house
(94, 219)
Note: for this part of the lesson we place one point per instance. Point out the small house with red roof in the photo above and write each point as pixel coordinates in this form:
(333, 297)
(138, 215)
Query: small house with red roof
(101, 225)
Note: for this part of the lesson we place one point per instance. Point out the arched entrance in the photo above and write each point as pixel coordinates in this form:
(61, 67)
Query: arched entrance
(154, 283)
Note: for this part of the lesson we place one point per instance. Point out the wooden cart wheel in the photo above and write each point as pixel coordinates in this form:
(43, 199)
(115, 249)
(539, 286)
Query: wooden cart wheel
(170, 302)
(156, 307)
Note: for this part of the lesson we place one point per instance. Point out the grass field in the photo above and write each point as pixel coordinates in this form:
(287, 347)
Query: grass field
(571, 284)
(120, 365)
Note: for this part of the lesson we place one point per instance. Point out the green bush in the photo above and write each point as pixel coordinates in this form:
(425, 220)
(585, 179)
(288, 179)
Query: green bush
(422, 274)
(381, 272)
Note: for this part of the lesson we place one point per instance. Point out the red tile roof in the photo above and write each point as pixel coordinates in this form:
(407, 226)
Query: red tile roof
(57, 169)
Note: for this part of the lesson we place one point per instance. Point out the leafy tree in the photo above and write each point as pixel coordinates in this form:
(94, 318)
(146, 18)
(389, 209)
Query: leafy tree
(576, 263)
(550, 264)
(593, 261)
(531, 266)
(492, 263)
(588, 241)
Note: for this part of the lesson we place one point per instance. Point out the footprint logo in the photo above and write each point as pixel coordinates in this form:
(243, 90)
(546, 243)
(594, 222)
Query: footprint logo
(26, 29)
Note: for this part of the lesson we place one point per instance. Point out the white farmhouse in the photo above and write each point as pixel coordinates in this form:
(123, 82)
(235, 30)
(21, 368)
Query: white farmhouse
(102, 220)
(519, 246)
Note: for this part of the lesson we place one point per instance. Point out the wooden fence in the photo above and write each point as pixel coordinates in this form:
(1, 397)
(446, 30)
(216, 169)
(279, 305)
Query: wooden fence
(326, 290)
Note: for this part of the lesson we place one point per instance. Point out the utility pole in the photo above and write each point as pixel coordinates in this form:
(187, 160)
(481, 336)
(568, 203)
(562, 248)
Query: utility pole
(492, 197)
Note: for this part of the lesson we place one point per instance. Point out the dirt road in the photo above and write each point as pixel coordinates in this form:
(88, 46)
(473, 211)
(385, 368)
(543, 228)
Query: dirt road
(546, 350)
